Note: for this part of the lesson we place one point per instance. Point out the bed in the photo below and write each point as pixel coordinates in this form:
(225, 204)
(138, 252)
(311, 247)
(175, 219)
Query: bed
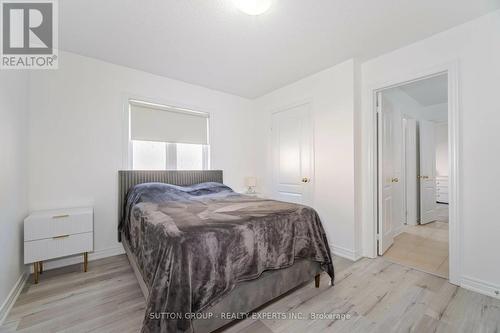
(205, 255)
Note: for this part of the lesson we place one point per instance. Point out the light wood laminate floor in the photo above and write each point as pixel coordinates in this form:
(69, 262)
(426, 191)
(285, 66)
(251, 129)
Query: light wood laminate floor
(379, 296)
(424, 247)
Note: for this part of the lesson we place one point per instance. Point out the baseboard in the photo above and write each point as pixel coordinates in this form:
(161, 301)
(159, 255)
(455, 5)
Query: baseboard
(12, 297)
(99, 254)
(480, 286)
(346, 253)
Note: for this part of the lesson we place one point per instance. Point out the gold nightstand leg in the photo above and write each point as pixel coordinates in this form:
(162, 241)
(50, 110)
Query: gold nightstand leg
(85, 261)
(41, 267)
(35, 271)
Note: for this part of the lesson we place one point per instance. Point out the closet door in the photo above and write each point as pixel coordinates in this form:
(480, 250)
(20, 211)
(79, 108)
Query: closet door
(292, 155)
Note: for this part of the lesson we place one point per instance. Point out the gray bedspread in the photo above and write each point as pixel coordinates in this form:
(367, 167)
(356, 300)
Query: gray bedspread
(194, 244)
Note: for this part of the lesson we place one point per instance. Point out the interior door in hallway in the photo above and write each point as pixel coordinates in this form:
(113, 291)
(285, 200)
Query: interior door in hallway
(292, 151)
(427, 178)
(411, 181)
(390, 196)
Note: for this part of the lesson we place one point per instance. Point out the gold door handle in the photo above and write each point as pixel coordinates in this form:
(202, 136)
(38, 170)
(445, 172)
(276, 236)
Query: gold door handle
(305, 180)
(394, 180)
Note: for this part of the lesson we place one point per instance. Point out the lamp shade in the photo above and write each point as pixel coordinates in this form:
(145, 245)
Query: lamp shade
(250, 181)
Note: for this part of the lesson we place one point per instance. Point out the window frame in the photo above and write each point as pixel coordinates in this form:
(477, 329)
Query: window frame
(171, 153)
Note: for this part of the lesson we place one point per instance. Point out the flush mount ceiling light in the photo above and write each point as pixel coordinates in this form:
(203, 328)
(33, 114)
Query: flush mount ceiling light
(253, 7)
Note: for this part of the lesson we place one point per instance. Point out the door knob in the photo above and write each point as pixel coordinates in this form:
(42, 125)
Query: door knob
(394, 180)
(305, 180)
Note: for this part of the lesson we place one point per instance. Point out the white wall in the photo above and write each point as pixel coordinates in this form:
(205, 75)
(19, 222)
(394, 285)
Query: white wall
(76, 134)
(13, 176)
(442, 149)
(475, 45)
(403, 103)
(409, 106)
(436, 113)
(331, 93)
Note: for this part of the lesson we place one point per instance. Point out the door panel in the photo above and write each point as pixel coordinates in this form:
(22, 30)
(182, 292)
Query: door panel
(427, 178)
(397, 171)
(386, 175)
(411, 180)
(292, 150)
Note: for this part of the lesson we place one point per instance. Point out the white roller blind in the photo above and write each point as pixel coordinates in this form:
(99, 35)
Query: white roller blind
(156, 123)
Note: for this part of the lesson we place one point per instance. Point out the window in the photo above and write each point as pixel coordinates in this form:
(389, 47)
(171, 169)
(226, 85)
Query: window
(189, 157)
(148, 155)
(166, 138)
(151, 155)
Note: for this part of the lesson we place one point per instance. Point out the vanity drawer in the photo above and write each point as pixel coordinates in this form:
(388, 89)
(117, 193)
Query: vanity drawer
(49, 224)
(59, 246)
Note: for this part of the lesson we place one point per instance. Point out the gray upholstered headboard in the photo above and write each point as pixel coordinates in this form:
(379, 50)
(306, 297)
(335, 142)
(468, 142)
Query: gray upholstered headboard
(129, 178)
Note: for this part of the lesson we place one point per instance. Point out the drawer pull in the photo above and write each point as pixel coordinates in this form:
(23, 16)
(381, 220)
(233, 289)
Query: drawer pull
(60, 216)
(59, 237)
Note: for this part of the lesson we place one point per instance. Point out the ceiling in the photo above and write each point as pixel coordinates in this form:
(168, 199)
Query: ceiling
(212, 44)
(428, 92)
(431, 95)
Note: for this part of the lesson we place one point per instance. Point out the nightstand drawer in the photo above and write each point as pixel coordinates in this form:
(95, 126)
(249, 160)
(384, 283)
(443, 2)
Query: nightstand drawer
(53, 223)
(64, 245)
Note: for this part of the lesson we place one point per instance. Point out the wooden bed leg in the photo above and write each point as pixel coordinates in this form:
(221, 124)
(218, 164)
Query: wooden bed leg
(316, 280)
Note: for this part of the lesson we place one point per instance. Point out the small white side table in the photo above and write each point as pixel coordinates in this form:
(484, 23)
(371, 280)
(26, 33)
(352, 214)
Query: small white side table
(58, 233)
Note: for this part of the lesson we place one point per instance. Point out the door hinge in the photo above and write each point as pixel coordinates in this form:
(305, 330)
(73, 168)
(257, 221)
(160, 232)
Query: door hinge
(378, 236)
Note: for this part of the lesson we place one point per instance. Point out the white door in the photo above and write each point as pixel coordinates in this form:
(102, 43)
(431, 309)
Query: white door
(387, 179)
(397, 172)
(427, 178)
(411, 181)
(292, 155)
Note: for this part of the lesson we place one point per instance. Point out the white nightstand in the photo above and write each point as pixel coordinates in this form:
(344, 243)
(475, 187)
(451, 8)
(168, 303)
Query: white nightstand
(58, 233)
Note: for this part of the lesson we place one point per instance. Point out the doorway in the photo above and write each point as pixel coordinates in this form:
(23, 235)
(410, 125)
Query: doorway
(413, 169)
